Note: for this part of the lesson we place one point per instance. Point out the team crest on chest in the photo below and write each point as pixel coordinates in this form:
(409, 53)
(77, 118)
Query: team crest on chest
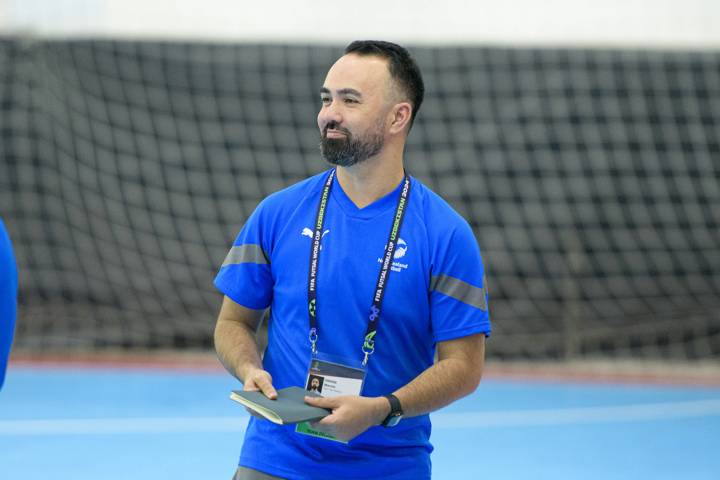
(400, 251)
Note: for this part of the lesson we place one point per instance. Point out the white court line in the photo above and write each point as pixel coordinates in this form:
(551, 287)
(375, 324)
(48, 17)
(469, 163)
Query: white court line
(113, 426)
(580, 415)
(492, 419)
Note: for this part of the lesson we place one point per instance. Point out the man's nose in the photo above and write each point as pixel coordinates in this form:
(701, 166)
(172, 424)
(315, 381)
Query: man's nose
(330, 114)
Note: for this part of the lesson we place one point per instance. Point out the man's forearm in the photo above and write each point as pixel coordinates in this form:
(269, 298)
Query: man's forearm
(237, 348)
(438, 386)
(450, 378)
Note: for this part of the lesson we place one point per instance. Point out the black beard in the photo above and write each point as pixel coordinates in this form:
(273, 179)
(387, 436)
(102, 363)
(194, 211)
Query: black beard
(349, 151)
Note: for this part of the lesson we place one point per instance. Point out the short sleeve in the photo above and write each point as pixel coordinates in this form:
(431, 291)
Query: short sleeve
(458, 288)
(245, 274)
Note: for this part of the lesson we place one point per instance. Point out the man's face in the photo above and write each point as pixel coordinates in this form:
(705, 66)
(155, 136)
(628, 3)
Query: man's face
(315, 383)
(356, 100)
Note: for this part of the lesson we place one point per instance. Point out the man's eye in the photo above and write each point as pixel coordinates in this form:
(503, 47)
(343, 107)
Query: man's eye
(325, 99)
(350, 100)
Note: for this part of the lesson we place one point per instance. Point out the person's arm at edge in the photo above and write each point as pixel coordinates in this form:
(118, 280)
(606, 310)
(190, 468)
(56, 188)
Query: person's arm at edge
(237, 348)
(8, 299)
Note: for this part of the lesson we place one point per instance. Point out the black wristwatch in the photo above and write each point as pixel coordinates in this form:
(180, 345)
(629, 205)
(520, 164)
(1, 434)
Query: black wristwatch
(395, 414)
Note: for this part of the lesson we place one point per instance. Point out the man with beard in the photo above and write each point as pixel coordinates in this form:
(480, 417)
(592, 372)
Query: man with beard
(346, 304)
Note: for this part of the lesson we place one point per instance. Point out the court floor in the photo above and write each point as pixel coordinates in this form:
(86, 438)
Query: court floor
(145, 423)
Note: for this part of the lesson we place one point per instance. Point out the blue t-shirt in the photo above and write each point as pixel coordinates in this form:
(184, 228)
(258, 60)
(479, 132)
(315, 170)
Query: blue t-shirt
(8, 299)
(435, 292)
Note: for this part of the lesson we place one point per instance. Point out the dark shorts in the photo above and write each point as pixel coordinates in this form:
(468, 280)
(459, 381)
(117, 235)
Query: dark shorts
(243, 473)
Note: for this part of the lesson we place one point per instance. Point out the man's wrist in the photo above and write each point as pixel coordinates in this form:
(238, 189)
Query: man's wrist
(382, 411)
(241, 372)
(246, 370)
(396, 411)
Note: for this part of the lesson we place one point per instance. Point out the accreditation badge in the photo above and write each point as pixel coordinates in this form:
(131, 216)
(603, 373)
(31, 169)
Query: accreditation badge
(331, 377)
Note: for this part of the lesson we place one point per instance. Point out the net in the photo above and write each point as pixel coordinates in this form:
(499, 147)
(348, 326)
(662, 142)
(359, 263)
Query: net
(589, 176)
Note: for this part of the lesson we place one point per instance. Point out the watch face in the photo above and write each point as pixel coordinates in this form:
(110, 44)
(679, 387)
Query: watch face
(392, 421)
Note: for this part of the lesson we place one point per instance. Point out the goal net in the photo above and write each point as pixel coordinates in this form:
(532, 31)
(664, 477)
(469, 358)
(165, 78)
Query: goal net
(590, 178)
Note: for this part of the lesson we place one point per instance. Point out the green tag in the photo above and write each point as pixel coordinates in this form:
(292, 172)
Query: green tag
(305, 429)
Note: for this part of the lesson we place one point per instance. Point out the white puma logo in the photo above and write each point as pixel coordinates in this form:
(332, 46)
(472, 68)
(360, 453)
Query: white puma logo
(309, 233)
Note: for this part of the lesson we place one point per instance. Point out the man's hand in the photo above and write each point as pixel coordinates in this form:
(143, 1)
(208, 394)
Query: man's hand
(257, 380)
(351, 415)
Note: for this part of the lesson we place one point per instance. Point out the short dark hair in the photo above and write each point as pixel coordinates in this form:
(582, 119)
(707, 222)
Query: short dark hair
(402, 66)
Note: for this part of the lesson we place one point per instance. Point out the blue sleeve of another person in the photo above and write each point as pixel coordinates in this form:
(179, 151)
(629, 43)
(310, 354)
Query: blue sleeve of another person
(245, 275)
(8, 299)
(458, 289)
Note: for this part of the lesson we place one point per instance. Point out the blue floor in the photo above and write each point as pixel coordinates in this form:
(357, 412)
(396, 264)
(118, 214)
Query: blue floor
(82, 424)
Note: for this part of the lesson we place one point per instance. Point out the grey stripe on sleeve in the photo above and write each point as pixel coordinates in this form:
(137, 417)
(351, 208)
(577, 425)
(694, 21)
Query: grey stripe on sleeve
(459, 290)
(248, 253)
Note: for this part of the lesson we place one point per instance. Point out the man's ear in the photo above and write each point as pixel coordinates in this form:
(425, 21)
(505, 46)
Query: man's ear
(401, 115)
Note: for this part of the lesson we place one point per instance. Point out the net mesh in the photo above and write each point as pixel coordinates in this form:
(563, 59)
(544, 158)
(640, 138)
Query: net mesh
(590, 178)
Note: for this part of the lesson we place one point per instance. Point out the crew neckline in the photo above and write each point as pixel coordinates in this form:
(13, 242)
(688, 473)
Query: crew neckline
(379, 206)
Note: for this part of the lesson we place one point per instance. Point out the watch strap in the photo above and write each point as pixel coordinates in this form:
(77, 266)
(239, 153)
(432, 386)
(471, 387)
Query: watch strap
(395, 410)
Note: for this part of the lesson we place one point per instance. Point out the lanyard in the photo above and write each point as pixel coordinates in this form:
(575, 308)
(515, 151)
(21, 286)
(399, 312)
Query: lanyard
(376, 308)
